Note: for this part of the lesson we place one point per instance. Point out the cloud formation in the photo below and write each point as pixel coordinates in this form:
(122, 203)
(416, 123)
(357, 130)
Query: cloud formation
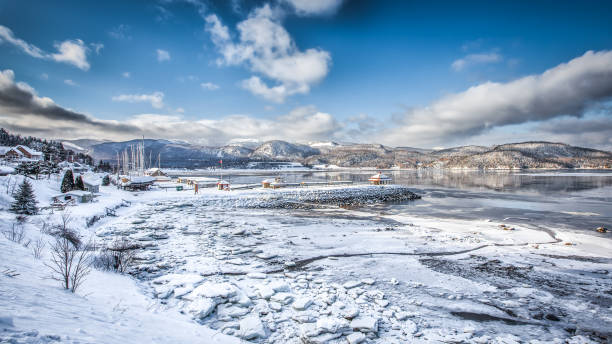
(314, 7)
(156, 99)
(163, 55)
(567, 89)
(209, 86)
(473, 59)
(72, 52)
(267, 49)
(21, 106)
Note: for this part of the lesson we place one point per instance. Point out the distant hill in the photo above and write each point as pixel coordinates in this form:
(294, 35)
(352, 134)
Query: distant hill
(507, 156)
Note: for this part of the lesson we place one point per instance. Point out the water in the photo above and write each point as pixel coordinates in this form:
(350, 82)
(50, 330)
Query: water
(566, 199)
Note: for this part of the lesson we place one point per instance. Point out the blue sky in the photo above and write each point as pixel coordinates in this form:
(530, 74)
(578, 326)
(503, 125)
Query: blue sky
(365, 70)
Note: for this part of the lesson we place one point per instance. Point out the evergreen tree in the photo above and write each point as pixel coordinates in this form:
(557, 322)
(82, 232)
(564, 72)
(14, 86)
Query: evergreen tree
(25, 201)
(106, 180)
(67, 182)
(78, 183)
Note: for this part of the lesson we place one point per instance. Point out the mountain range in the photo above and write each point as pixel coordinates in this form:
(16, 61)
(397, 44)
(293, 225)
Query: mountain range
(179, 154)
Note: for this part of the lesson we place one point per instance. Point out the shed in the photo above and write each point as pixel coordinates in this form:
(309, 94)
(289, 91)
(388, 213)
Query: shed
(223, 185)
(379, 179)
(267, 183)
(91, 185)
(79, 195)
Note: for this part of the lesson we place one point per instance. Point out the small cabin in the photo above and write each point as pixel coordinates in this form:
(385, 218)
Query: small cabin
(91, 185)
(379, 179)
(267, 183)
(79, 196)
(223, 185)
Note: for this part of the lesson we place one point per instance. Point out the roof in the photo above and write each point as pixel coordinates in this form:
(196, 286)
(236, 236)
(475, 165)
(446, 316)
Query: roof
(90, 181)
(142, 180)
(29, 150)
(78, 193)
(223, 182)
(269, 180)
(379, 176)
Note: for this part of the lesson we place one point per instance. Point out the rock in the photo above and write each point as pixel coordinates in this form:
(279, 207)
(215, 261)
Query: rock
(356, 338)
(302, 303)
(251, 327)
(365, 324)
(201, 308)
(351, 284)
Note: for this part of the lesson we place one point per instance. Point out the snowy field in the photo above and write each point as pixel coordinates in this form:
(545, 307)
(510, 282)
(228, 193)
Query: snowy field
(214, 268)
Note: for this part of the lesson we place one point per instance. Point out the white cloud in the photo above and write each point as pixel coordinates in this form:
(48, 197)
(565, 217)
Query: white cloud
(121, 32)
(44, 76)
(567, 89)
(73, 52)
(97, 47)
(473, 59)
(156, 99)
(209, 86)
(314, 7)
(126, 75)
(163, 55)
(266, 48)
(70, 82)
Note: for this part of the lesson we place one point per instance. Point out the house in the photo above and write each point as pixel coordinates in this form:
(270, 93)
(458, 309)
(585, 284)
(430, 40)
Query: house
(379, 179)
(158, 174)
(91, 185)
(223, 185)
(267, 183)
(137, 183)
(79, 196)
(3, 151)
(29, 153)
(10, 153)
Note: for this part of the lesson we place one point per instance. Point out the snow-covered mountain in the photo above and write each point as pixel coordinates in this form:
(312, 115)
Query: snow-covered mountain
(238, 154)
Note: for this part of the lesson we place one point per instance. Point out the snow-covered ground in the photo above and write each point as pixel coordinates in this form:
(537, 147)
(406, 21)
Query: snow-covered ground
(215, 269)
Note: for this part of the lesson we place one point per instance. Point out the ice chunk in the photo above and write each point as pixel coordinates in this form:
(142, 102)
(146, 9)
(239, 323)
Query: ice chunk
(365, 324)
(251, 327)
(356, 338)
(332, 325)
(351, 284)
(201, 308)
(222, 290)
(302, 303)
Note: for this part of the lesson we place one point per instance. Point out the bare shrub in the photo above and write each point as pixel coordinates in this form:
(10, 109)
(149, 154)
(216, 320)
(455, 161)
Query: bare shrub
(63, 230)
(69, 263)
(119, 256)
(15, 234)
(38, 247)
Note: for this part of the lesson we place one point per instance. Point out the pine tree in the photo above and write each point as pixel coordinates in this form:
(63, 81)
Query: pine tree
(25, 201)
(67, 182)
(106, 180)
(78, 183)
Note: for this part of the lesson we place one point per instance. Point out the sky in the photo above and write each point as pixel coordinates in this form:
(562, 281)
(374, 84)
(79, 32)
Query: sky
(400, 73)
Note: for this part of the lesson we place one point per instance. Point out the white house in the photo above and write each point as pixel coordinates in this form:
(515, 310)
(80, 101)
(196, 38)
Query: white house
(30, 153)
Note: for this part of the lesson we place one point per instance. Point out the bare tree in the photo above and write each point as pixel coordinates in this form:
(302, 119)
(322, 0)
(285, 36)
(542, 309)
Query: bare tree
(70, 259)
(119, 256)
(38, 247)
(69, 263)
(15, 234)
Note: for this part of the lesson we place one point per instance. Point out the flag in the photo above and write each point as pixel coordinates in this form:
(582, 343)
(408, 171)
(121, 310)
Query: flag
(221, 162)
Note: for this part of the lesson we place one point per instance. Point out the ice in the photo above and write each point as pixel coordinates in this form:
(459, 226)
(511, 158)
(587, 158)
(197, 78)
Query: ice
(365, 324)
(355, 338)
(251, 327)
(302, 303)
(201, 307)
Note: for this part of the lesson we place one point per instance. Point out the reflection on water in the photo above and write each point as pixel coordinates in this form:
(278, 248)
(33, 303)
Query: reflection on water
(577, 200)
